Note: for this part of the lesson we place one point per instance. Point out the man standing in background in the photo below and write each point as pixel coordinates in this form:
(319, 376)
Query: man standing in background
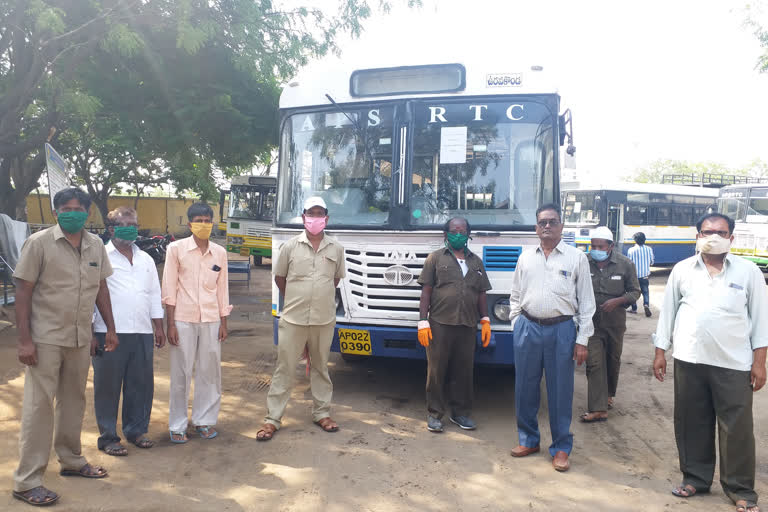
(642, 256)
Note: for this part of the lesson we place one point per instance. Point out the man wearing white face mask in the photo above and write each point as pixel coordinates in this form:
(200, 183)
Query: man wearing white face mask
(716, 313)
(307, 270)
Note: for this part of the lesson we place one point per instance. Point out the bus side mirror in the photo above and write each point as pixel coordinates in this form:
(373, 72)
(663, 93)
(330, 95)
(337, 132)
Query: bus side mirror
(566, 132)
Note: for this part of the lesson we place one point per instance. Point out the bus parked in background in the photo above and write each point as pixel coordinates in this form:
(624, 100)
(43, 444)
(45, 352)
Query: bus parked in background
(747, 204)
(667, 214)
(395, 152)
(223, 212)
(250, 216)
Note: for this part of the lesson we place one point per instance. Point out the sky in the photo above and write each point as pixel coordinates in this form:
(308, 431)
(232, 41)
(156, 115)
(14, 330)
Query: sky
(649, 80)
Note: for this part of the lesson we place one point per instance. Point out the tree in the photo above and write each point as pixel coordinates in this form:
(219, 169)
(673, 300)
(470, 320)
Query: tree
(160, 61)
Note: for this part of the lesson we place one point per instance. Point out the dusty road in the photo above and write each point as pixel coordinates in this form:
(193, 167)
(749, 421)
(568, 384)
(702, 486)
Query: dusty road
(382, 459)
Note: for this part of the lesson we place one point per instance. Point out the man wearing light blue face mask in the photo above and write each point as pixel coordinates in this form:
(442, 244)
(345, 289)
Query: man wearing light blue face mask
(614, 281)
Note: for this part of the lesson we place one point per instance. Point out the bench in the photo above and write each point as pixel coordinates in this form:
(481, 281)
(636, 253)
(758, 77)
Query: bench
(240, 267)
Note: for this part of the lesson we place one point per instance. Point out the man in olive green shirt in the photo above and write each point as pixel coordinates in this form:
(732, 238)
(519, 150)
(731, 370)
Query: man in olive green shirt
(614, 281)
(61, 273)
(307, 270)
(452, 302)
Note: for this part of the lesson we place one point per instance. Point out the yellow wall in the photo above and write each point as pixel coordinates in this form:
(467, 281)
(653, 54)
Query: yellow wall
(158, 214)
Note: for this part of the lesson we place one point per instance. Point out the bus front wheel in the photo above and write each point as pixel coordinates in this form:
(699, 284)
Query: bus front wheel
(257, 261)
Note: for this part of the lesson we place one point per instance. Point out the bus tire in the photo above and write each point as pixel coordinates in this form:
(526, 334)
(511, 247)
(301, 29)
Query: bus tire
(257, 261)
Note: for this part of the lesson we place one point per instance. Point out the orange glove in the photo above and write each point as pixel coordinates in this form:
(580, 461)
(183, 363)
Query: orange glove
(425, 333)
(485, 331)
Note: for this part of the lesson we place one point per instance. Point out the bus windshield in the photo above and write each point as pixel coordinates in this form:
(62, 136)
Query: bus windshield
(251, 202)
(491, 162)
(580, 208)
(344, 157)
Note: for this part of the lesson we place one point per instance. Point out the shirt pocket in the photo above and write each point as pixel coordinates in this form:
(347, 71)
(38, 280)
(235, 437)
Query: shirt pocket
(90, 274)
(474, 277)
(210, 279)
(614, 287)
(301, 267)
(448, 274)
(328, 265)
(731, 300)
(561, 282)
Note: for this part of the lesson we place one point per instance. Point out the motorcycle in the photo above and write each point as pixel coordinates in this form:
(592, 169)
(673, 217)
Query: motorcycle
(151, 245)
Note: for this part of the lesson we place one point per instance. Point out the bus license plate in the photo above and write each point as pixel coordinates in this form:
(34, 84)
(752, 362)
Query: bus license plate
(352, 341)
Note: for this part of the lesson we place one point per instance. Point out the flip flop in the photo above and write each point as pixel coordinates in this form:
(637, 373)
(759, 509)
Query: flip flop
(748, 505)
(37, 493)
(689, 490)
(206, 432)
(325, 424)
(584, 418)
(268, 432)
(115, 449)
(142, 442)
(86, 472)
(183, 436)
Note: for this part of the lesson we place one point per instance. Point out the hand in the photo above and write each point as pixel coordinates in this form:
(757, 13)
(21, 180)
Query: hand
(27, 351)
(611, 304)
(111, 342)
(757, 377)
(425, 333)
(173, 335)
(660, 366)
(579, 354)
(159, 338)
(485, 331)
(94, 345)
(222, 333)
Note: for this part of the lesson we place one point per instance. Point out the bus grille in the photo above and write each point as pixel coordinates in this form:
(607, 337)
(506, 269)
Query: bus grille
(501, 258)
(369, 292)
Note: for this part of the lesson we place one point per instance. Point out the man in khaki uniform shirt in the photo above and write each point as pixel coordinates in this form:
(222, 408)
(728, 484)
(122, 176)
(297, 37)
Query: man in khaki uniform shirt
(61, 273)
(307, 271)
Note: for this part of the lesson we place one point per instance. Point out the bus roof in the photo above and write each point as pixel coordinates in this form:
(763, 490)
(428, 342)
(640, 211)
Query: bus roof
(254, 180)
(652, 188)
(742, 186)
(312, 85)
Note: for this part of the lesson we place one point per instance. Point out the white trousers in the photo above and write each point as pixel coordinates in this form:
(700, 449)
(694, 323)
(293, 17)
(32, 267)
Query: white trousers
(199, 350)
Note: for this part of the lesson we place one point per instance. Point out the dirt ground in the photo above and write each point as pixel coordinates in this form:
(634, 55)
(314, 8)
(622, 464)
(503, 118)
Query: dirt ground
(383, 458)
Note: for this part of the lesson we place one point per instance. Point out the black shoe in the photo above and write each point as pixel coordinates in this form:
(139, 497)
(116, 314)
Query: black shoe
(647, 310)
(465, 422)
(434, 424)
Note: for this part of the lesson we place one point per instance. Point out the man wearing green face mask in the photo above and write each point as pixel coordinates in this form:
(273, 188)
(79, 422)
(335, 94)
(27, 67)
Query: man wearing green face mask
(61, 274)
(453, 300)
(135, 292)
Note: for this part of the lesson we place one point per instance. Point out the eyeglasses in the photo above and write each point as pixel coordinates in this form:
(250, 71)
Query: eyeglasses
(724, 234)
(548, 222)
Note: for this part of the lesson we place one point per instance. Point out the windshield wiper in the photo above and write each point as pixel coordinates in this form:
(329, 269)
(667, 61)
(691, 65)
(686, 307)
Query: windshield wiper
(354, 122)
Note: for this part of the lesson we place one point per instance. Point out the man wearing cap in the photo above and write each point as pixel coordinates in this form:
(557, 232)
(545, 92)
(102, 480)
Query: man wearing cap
(614, 281)
(307, 270)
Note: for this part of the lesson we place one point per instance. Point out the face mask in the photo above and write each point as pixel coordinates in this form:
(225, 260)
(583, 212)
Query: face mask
(713, 244)
(598, 255)
(457, 240)
(315, 225)
(129, 233)
(201, 230)
(72, 222)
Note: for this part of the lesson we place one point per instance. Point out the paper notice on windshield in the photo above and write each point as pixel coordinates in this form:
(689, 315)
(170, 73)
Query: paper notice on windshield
(57, 172)
(453, 145)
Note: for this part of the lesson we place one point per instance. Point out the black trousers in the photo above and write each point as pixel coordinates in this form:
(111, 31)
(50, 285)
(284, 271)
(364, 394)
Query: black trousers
(450, 367)
(603, 364)
(704, 395)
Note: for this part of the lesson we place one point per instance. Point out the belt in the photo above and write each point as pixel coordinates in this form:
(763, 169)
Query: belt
(546, 321)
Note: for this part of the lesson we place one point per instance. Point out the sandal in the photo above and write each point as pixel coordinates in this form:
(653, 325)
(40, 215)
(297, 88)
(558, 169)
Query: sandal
(686, 491)
(116, 449)
(747, 506)
(142, 442)
(327, 424)
(588, 417)
(206, 432)
(266, 432)
(38, 496)
(87, 471)
(178, 437)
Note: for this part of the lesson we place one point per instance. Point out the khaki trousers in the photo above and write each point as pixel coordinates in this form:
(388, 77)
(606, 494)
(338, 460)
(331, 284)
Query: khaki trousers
(291, 339)
(603, 365)
(60, 373)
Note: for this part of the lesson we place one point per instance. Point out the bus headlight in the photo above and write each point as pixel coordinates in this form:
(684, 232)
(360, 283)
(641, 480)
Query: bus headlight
(236, 240)
(501, 310)
(339, 303)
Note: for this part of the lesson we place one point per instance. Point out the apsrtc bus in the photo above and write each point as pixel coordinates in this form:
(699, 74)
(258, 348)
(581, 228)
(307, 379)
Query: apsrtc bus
(250, 216)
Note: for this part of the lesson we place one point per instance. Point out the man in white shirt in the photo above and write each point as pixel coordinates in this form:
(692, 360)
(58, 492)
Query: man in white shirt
(551, 295)
(716, 313)
(135, 291)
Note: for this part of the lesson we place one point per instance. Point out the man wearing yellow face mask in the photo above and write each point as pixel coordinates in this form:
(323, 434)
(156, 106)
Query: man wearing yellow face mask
(716, 314)
(196, 296)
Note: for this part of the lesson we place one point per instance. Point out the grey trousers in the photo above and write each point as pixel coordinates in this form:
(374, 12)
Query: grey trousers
(603, 365)
(128, 369)
(704, 395)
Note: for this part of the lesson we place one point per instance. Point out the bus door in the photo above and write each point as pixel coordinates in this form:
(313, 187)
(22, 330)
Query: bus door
(615, 221)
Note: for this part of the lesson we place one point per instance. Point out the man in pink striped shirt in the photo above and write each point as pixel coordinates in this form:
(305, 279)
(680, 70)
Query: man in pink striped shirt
(196, 297)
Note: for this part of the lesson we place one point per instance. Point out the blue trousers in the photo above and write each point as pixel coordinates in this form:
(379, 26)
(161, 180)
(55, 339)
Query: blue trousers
(127, 368)
(549, 349)
(645, 291)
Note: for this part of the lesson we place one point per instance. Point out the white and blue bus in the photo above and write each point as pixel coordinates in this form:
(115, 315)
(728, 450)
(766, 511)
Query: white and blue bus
(667, 214)
(397, 151)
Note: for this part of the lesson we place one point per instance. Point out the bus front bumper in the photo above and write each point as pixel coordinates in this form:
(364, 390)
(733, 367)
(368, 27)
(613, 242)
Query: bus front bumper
(402, 342)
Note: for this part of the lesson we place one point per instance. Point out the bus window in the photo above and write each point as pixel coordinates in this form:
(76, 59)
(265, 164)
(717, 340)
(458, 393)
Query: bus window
(501, 174)
(636, 215)
(758, 206)
(681, 216)
(580, 208)
(734, 208)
